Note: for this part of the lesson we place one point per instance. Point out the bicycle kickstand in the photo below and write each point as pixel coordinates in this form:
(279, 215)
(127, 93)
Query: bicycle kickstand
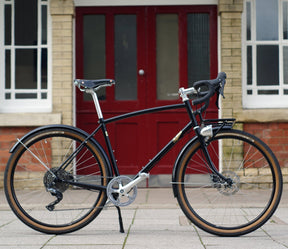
(120, 220)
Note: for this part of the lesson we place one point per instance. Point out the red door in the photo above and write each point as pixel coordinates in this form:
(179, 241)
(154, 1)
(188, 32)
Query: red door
(150, 52)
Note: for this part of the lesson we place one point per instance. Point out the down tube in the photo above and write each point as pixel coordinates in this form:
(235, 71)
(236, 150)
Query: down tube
(166, 149)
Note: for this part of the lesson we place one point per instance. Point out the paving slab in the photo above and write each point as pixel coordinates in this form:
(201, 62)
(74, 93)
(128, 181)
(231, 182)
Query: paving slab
(154, 220)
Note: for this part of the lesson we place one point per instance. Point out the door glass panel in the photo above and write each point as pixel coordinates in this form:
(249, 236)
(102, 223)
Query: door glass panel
(267, 65)
(167, 56)
(198, 42)
(266, 20)
(125, 64)
(94, 58)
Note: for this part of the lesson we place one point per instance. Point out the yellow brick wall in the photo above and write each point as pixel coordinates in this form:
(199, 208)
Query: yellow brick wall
(62, 58)
(230, 12)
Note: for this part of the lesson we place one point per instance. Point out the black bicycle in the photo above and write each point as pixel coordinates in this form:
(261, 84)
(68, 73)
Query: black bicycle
(227, 182)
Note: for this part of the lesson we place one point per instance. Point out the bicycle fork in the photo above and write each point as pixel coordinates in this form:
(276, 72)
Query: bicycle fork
(204, 135)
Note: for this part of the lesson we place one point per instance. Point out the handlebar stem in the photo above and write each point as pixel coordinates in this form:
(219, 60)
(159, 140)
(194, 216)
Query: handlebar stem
(184, 92)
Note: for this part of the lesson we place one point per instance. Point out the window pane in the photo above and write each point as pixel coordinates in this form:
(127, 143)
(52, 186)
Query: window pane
(44, 24)
(7, 24)
(285, 20)
(44, 68)
(267, 20)
(26, 95)
(25, 22)
(249, 65)
(198, 47)
(285, 64)
(267, 65)
(7, 69)
(248, 21)
(167, 56)
(7, 95)
(26, 69)
(125, 57)
(43, 95)
(268, 92)
(94, 58)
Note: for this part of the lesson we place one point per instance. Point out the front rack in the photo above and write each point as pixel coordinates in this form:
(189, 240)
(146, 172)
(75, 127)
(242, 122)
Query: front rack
(223, 123)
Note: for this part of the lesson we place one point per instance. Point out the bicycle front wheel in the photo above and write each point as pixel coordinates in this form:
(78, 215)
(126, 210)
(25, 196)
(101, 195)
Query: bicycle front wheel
(229, 208)
(36, 187)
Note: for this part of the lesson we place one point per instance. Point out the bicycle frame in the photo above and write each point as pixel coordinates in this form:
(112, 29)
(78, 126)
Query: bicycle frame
(151, 164)
(143, 173)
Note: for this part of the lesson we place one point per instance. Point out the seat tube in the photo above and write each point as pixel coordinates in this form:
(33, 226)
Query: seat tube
(109, 147)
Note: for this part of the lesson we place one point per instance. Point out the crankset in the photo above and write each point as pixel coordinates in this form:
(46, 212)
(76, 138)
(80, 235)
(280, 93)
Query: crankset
(117, 194)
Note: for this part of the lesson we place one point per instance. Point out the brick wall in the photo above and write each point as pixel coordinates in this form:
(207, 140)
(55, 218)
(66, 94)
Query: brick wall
(230, 12)
(62, 58)
(275, 135)
(8, 137)
(62, 79)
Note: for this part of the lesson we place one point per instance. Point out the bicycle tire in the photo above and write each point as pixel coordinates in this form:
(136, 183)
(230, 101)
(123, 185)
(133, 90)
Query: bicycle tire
(225, 210)
(29, 183)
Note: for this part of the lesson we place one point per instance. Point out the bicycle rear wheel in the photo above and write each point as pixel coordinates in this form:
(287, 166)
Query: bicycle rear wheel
(229, 209)
(46, 204)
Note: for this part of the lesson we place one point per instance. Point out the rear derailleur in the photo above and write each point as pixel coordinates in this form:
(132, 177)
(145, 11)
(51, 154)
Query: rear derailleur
(55, 182)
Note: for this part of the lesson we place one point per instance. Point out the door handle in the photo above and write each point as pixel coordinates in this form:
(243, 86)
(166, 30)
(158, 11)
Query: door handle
(141, 72)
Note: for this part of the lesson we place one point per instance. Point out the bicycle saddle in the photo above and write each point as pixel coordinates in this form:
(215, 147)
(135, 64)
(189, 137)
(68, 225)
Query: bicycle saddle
(91, 84)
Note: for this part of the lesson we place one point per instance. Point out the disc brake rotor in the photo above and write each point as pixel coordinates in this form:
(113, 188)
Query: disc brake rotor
(225, 188)
(117, 195)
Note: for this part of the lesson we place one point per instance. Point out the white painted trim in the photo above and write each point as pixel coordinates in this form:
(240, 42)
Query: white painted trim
(26, 105)
(254, 100)
(74, 72)
(79, 3)
(2, 54)
(29, 119)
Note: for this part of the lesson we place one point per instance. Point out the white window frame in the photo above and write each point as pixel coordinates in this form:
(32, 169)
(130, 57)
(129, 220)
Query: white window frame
(254, 100)
(14, 105)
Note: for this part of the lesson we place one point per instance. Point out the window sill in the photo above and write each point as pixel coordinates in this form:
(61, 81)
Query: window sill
(29, 119)
(262, 115)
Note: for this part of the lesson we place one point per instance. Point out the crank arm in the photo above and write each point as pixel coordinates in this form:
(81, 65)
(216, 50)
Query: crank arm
(125, 189)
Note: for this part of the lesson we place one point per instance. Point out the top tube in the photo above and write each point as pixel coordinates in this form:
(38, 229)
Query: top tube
(145, 111)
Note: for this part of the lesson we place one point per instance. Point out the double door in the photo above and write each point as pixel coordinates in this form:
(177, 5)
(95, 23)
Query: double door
(150, 52)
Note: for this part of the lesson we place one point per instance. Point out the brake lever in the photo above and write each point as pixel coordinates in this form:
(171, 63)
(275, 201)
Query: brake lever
(221, 90)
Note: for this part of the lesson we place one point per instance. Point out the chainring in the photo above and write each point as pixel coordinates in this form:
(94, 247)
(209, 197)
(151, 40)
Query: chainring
(116, 193)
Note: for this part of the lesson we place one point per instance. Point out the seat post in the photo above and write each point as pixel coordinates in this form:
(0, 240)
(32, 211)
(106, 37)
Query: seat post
(96, 102)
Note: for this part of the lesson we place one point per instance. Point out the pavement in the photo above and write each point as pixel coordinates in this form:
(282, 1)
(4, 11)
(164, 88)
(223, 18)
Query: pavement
(154, 220)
